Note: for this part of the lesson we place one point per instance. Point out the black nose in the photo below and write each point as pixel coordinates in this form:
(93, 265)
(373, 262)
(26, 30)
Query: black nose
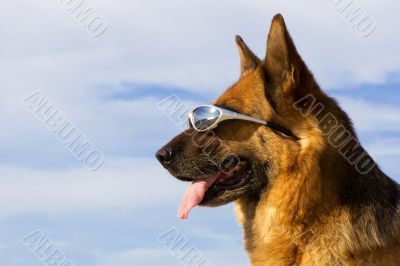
(164, 155)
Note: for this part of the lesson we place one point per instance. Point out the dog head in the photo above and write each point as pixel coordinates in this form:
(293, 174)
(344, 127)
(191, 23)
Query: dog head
(245, 157)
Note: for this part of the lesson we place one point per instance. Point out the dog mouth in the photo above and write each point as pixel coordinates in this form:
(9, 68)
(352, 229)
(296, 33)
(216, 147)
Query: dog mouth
(207, 188)
(234, 177)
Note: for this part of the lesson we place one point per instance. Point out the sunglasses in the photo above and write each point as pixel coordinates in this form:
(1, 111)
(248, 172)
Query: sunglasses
(207, 117)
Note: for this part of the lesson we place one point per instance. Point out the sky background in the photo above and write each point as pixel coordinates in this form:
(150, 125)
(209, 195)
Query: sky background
(109, 88)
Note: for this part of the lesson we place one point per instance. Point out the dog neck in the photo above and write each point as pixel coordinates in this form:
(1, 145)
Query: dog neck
(284, 211)
(280, 222)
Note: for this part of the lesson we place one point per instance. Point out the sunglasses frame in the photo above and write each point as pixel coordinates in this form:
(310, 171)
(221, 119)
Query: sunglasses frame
(224, 115)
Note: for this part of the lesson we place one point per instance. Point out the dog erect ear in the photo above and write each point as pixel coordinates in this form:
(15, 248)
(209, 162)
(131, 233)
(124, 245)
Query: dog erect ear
(248, 60)
(284, 65)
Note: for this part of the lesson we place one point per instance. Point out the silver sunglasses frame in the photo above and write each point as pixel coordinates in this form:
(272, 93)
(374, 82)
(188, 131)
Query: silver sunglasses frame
(224, 115)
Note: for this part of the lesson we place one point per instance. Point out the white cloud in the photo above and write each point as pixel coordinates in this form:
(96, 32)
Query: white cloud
(386, 152)
(371, 116)
(385, 147)
(159, 256)
(189, 44)
(119, 184)
(136, 257)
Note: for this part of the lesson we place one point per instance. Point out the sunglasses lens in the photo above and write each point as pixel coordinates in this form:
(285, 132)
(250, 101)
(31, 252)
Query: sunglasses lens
(204, 117)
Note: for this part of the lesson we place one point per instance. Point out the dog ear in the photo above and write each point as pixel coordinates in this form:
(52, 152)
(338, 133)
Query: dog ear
(248, 60)
(283, 64)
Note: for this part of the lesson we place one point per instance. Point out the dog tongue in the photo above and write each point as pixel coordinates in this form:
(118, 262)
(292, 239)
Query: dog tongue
(194, 195)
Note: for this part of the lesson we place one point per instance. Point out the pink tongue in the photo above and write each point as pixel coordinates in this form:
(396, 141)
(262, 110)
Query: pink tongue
(194, 195)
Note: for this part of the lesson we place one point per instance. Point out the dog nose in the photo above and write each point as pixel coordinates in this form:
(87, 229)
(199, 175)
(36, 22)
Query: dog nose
(164, 155)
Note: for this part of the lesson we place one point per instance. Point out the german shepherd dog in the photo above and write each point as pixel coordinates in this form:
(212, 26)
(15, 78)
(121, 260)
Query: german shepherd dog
(305, 191)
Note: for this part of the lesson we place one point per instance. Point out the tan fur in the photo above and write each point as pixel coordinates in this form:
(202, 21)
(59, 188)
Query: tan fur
(300, 219)
(308, 202)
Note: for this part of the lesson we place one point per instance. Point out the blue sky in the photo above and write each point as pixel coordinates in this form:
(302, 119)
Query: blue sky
(109, 88)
